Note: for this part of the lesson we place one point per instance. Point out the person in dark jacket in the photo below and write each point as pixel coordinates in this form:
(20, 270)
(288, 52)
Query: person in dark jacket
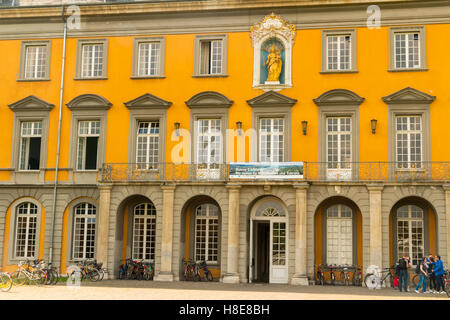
(432, 277)
(403, 265)
(439, 273)
(423, 273)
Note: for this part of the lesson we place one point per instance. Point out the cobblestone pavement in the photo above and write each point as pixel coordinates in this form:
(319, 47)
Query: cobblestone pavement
(150, 290)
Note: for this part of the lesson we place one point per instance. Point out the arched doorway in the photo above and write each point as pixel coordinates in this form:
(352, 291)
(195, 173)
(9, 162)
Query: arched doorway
(413, 228)
(200, 238)
(269, 241)
(338, 233)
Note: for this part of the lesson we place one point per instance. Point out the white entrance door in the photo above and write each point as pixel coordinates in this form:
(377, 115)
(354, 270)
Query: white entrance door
(278, 260)
(278, 252)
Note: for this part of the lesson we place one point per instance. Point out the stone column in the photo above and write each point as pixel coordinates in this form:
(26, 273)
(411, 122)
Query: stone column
(300, 277)
(165, 272)
(232, 275)
(103, 224)
(375, 225)
(447, 218)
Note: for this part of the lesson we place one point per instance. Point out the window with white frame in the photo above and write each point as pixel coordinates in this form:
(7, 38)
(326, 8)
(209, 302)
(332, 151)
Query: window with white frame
(207, 233)
(409, 141)
(211, 56)
(35, 62)
(92, 60)
(410, 233)
(88, 135)
(339, 142)
(339, 52)
(209, 142)
(30, 145)
(271, 138)
(407, 50)
(84, 224)
(149, 58)
(339, 235)
(147, 151)
(26, 230)
(144, 231)
(279, 244)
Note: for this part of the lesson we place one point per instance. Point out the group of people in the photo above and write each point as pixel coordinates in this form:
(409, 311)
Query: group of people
(430, 270)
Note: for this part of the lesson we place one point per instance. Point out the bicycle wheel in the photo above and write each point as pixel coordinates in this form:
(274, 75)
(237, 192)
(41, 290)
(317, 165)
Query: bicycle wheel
(93, 275)
(5, 282)
(209, 276)
(371, 281)
(102, 273)
(416, 279)
(55, 276)
(447, 289)
(19, 278)
(196, 277)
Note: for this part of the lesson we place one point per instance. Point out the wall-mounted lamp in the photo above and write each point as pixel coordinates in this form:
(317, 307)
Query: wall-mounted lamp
(177, 128)
(373, 124)
(304, 126)
(239, 127)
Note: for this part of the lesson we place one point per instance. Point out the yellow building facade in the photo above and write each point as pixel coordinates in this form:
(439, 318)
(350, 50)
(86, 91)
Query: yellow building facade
(160, 100)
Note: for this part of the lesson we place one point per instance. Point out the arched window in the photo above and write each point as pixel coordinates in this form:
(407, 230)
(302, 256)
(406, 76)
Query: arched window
(410, 232)
(85, 218)
(207, 233)
(144, 231)
(339, 235)
(26, 229)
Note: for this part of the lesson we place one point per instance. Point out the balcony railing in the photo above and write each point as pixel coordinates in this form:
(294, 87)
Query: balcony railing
(312, 171)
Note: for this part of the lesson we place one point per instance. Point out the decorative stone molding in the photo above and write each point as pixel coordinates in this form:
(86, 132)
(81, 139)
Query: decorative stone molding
(337, 97)
(148, 101)
(271, 99)
(209, 99)
(272, 26)
(31, 103)
(409, 95)
(89, 102)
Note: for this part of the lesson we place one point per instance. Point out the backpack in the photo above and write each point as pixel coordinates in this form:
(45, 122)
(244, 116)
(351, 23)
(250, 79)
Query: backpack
(418, 268)
(402, 264)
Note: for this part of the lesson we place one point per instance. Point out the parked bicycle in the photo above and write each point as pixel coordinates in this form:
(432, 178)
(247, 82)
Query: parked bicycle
(136, 270)
(344, 275)
(371, 280)
(190, 271)
(97, 266)
(85, 270)
(5, 281)
(29, 272)
(207, 275)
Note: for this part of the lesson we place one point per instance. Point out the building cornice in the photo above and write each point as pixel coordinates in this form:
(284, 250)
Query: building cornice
(187, 17)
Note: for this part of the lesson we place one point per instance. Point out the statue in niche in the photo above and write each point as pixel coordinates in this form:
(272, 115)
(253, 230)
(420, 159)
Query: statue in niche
(274, 64)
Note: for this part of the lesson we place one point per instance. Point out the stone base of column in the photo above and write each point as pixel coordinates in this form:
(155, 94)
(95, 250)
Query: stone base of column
(164, 276)
(298, 280)
(231, 278)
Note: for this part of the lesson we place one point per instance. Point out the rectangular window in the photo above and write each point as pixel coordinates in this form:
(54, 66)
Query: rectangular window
(339, 235)
(35, 62)
(30, 145)
(339, 146)
(209, 141)
(207, 233)
(88, 135)
(271, 137)
(211, 57)
(410, 233)
(149, 58)
(147, 151)
(407, 50)
(92, 60)
(339, 52)
(409, 142)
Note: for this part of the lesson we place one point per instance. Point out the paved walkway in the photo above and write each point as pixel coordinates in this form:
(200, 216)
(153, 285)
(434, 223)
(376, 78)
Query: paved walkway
(150, 290)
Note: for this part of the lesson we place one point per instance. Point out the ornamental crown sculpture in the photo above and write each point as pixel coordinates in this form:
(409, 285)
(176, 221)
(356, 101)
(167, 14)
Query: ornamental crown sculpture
(272, 26)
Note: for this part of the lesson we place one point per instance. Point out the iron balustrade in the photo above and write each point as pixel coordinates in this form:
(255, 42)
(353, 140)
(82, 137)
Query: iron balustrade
(312, 171)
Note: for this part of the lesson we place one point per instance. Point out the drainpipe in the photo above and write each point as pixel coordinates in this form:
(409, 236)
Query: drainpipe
(50, 258)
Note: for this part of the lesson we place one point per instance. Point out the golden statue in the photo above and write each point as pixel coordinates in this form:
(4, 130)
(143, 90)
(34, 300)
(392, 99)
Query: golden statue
(273, 64)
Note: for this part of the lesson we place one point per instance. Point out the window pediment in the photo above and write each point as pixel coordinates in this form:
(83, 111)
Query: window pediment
(89, 102)
(409, 95)
(338, 97)
(271, 99)
(209, 99)
(31, 103)
(148, 101)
